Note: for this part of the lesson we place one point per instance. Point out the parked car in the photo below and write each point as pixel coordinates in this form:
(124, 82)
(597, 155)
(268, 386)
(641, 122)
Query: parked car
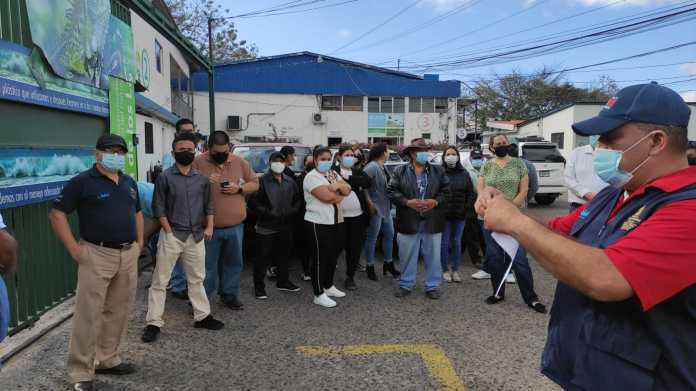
(257, 154)
(549, 163)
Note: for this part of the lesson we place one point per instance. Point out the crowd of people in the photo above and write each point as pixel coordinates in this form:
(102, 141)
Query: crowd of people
(624, 305)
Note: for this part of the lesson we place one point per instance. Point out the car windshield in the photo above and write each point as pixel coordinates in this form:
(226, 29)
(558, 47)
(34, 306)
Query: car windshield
(257, 157)
(542, 153)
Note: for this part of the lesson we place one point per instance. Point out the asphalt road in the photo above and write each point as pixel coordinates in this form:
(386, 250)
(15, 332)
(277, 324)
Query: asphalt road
(370, 341)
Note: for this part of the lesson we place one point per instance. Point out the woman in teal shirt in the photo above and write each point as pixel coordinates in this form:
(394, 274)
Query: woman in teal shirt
(508, 175)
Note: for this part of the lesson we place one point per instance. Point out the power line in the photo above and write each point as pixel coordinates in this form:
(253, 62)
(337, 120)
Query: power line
(426, 24)
(568, 33)
(524, 10)
(370, 31)
(565, 44)
(302, 10)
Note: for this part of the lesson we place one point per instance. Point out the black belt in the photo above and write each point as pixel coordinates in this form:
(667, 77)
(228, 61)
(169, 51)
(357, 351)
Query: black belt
(113, 245)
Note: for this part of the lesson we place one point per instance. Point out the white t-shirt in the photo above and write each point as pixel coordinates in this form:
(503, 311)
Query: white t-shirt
(351, 204)
(317, 212)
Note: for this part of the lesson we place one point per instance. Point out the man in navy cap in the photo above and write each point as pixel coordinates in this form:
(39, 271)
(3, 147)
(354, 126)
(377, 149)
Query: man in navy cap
(111, 231)
(624, 315)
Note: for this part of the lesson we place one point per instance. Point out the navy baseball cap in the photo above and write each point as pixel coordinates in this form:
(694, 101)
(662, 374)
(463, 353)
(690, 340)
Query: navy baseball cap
(647, 103)
(111, 140)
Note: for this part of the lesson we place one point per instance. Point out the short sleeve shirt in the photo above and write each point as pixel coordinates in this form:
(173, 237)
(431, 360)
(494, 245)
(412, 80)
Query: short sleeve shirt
(657, 257)
(505, 179)
(318, 212)
(105, 210)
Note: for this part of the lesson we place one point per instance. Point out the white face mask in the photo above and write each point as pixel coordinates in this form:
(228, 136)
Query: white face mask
(451, 160)
(278, 167)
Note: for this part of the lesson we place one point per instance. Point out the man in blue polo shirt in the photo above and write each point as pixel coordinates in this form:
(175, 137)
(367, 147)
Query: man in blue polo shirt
(111, 231)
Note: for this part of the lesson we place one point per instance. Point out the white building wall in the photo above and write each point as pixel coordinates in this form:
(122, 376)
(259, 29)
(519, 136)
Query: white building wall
(159, 89)
(291, 114)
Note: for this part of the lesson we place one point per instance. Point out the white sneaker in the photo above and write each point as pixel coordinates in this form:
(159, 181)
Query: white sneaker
(481, 275)
(511, 279)
(447, 276)
(456, 277)
(334, 292)
(324, 301)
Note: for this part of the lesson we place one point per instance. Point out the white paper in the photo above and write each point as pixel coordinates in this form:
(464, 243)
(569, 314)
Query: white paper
(507, 242)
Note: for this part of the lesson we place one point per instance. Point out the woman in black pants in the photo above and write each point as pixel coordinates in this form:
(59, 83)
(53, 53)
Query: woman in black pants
(304, 239)
(355, 209)
(324, 190)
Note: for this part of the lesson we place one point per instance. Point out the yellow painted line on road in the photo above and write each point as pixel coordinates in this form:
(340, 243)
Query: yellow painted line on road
(439, 365)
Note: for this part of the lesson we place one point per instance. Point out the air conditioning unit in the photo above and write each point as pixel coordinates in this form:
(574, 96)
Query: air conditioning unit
(234, 122)
(318, 118)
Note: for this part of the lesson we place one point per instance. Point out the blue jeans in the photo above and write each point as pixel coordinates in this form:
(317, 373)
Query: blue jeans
(386, 226)
(177, 283)
(497, 262)
(223, 261)
(452, 237)
(410, 247)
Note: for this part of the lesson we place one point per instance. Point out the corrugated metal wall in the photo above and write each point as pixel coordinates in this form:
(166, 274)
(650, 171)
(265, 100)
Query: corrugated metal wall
(14, 26)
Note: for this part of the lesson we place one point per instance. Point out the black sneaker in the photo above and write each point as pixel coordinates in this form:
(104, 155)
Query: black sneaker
(118, 370)
(150, 334)
(260, 293)
(433, 294)
(538, 307)
(287, 286)
(360, 267)
(350, 284)
(402, 292)
(494, 299)
(84, 386)
(233, 303)
(182, 295)
(209, 323)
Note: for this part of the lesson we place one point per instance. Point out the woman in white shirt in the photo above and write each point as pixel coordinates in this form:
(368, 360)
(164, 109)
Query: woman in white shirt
(355, 209)
(324, 190)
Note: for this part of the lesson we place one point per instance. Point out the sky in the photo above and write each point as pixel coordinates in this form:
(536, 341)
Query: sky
(379, 32)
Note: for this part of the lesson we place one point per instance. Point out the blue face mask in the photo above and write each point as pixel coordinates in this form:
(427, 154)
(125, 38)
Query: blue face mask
(324, 166)
(477, 163)
(348, 161)
(606, 164)
(113, 162)
(593, 140)
(422, 157)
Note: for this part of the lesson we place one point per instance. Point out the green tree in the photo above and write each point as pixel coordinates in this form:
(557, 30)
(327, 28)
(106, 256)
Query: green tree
(518, 96)
(191, 17)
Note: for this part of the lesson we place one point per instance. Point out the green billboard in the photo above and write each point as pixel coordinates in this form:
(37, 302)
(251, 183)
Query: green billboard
(122, 119)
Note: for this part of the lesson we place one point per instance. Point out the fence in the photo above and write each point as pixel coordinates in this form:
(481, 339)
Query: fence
(46, 274)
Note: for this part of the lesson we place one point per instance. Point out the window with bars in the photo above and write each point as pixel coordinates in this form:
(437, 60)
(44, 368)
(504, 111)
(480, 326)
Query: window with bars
(414, 104)
(373, 105)
(158, 56)
(149, 139)
(352, 103)
(399, 104)
(428, 105)
(120, 11)
(441, 105)
(332, 103)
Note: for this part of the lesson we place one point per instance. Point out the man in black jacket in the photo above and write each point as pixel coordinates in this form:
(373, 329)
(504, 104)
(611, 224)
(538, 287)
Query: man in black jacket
(418, 191)
(275, 204)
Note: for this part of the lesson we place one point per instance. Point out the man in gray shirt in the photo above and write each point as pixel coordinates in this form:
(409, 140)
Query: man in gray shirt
(184, 206)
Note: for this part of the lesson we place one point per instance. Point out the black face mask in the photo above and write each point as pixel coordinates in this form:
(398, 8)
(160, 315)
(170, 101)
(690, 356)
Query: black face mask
(220, 157)
(692, 161)
(502, 151)
(185, 158)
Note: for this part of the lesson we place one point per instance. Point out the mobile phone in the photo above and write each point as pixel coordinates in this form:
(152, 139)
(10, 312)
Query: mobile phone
(224, 184)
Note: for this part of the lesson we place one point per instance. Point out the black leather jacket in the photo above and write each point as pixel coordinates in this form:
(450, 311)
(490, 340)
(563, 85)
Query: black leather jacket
(403, 186)
(276, 203)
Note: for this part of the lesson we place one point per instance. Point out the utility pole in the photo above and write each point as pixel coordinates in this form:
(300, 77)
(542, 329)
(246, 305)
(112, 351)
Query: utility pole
(211, 76)
(476, 119)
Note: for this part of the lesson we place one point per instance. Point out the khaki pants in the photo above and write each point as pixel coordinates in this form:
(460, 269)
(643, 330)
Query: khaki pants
(192, 254)
(106, 283)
